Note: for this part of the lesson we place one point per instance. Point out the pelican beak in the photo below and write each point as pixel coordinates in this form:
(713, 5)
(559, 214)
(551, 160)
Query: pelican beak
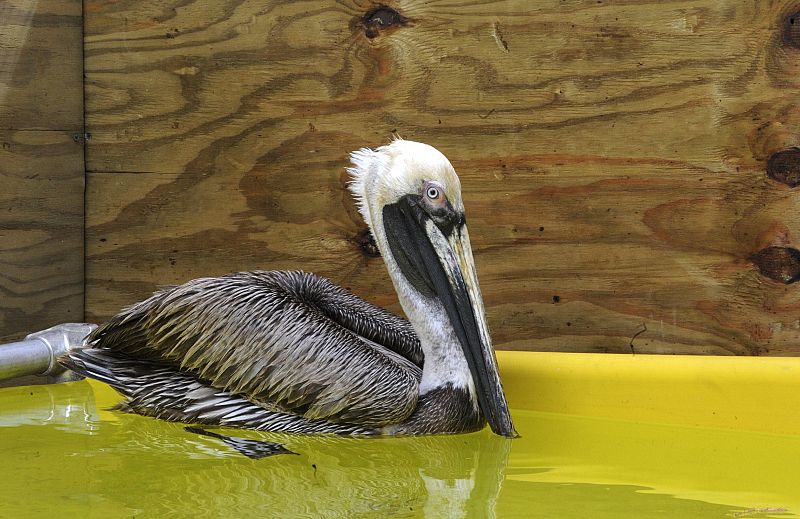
(434, 253)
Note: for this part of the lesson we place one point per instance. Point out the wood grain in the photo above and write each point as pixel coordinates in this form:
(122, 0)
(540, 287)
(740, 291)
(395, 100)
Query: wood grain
(613, 155)
(41, 231)
(40, 64)
(41, 165)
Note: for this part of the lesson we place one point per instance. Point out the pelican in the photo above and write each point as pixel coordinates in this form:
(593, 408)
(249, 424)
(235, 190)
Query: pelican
(291, 352)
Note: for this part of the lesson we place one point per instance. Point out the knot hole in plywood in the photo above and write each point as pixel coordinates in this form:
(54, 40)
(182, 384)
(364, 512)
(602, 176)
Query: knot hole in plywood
(778, 263)
(784, 167)
(791, 30)
(381, 19)
(366, 243)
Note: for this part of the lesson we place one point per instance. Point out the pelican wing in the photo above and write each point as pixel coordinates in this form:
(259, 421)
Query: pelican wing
(291, 341)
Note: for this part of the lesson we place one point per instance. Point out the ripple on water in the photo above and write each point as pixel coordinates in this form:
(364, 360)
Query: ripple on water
(68, 454)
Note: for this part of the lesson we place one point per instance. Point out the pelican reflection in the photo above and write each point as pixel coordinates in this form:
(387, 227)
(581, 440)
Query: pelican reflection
(446, 476)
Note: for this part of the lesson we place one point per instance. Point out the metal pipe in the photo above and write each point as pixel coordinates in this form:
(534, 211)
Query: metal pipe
(38, 353)
(29, 357)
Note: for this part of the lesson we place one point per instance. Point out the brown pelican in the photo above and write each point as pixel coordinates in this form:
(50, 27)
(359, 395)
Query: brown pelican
(291, 352)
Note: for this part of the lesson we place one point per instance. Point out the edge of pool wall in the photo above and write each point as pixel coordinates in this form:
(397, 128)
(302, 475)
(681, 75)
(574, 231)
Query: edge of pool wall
(745, 393)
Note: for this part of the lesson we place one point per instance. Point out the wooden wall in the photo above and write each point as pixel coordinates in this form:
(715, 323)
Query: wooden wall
(613, 155)
(41, 165)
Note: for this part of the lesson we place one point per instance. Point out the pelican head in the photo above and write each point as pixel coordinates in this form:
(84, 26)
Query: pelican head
(410, 197)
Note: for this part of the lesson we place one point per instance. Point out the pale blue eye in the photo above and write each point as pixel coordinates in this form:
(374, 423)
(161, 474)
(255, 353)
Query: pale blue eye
(433, 193)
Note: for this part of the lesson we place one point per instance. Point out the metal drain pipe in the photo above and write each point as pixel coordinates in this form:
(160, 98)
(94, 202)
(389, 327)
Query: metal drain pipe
(37, 354)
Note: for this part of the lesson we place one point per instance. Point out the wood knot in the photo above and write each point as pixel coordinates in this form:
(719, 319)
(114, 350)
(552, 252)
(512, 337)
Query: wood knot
(791, 30)
(778, 263)
(784, 166)
(366, 242)
(381, 18)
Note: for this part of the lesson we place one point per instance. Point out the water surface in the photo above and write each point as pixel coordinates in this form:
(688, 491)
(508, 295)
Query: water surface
(65, 453)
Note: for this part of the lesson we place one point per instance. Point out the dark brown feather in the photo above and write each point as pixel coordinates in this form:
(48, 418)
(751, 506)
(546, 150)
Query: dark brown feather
(290, 340)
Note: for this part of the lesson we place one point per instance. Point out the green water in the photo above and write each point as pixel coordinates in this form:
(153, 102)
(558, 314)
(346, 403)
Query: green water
(65, 455)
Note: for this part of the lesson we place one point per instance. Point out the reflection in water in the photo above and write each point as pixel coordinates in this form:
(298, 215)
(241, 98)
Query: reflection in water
(438, 476)
(253, 449)
(71, 409)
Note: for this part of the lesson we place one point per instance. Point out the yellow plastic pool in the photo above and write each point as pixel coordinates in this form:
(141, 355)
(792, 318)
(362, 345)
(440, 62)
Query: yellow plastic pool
(602, 436)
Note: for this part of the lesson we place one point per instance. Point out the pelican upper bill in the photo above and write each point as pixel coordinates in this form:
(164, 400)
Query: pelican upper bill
(292, 352)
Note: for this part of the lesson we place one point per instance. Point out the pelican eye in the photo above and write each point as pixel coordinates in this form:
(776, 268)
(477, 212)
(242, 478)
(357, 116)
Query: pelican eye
(439, 209)
(434, 192)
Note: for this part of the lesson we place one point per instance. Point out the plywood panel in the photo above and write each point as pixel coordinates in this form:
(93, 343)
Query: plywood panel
(613, 156)
(41, 231)
(40, 64)
(41, 165)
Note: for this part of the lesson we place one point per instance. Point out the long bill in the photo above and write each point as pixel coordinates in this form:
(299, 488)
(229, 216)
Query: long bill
(442, 266)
